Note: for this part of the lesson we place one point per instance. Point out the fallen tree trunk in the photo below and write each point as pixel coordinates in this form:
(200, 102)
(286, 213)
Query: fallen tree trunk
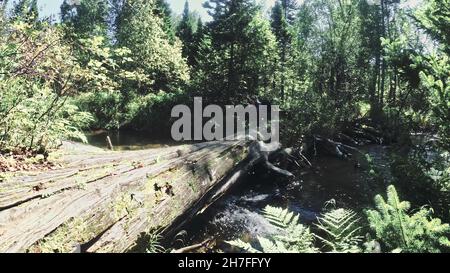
(108, 201)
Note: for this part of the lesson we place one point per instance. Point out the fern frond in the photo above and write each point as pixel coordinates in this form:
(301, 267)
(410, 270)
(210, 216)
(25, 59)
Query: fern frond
(269, 246)
(340, 229)
(279, 217)
(247, 247)
(153, 245)
(294, 238)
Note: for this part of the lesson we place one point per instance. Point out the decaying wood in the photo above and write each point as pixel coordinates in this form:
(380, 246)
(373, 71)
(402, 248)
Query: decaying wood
(107, 201)
(334, 148)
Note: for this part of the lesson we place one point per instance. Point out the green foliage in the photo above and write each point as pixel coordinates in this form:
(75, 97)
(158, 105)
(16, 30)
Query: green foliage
(186, 32)
(163, 11)
(37, 120)
(26, 10)
(238, 62)
(399, 230)
(104, 89)
(327, 63)
(86, 17)
(153, 52)
(154, 245)
(37, 80)
(424, 170)
(434, 18)
(295, 237)
(340, 228)
(439, 172)
(437, 82)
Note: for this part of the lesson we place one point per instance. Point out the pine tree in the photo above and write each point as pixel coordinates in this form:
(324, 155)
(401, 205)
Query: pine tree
(185, 31)
(434, 18)
(162, 10)
(242, 51)
(279, 23)
(377, 22)
(290, 8)
(282, 18)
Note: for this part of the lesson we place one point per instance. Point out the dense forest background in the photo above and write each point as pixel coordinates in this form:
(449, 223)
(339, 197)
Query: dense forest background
(123, 64)
(337, 68)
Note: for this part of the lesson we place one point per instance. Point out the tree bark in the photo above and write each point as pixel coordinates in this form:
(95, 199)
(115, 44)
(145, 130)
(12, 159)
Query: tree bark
(107, 201)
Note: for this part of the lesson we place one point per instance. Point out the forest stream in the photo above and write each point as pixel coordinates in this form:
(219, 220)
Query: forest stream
(331, 181)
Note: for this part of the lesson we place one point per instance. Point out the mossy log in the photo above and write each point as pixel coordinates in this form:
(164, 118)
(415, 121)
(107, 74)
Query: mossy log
(107, 201)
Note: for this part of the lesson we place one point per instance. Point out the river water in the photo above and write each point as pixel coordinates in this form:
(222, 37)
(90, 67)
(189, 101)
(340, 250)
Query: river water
(345, 183)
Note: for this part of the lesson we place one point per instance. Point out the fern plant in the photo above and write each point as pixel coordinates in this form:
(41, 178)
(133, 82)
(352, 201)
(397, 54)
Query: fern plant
(399, 231)
(153, 245)
(340, 229)
(293, 238)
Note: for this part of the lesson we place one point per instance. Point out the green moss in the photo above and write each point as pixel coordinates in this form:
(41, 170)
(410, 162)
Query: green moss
(124, 205)
(65, 238)
(4, 177)
(192, 185)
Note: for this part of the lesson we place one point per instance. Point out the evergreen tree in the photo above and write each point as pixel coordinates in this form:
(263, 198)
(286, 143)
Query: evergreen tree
(371, 49)
(242, 51)
(335, 49)
(282, 18)
(434, 17)
(162, 10)
(200, 49)
(400, 230)
(185, 31)
(377, 22)
(290, 8)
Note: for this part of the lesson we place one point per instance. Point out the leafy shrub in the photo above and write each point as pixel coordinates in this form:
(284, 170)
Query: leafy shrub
(37, 73)
(106, 107)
